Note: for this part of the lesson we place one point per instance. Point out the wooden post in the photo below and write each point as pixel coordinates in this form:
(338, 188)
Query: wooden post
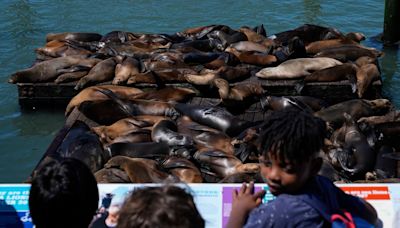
(391, 31)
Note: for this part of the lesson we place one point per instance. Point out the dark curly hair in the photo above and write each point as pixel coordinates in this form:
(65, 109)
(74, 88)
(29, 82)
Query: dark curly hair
(292, 134)
(63, 194)
(160, 206)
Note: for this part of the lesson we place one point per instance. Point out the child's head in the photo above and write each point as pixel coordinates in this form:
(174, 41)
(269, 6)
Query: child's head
(290, 141)
(164, 206)
(63, 194)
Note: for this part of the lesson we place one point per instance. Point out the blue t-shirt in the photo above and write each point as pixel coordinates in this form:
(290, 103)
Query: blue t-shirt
(292, 211)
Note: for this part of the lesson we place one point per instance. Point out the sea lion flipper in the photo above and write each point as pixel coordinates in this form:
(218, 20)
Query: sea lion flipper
(123, 105)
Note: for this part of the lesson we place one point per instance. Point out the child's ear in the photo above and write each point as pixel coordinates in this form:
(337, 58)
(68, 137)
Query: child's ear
(316, 165)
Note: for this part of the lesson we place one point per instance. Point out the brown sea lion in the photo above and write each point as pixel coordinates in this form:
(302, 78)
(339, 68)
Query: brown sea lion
(103, 71)
(221, 165)
(349, 52)
(357, 108)
(184, 169)
(253, 57)
(139, 136)
(92, 94)
(145, 77)
(229, 73)
(139, 170)
(318, 46)
(239, 92)
(71, 76)
(178, 94)
(392, 116)
(48, 70)
(295, 68)
(79, 36)
(204, 136)
(111, 175)
(150, 150)
(119, 128)
(366, 74)
(129, 66)
(254, 36)
(346, 71)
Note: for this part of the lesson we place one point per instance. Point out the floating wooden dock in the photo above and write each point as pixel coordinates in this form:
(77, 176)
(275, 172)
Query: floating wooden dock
(51, 95)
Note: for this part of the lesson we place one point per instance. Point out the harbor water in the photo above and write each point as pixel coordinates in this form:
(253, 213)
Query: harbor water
(25, 136)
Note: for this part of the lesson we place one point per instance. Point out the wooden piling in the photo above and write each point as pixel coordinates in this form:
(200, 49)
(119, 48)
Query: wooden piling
(391, 31)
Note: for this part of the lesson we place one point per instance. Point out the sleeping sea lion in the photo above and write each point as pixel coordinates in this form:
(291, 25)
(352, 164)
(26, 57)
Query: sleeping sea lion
(221, 165)
(166, 131)
(356, 144)
(103, 71)
(214, 117)
(129, 66)
(184, 169)
(239, 92)
(71, 76)
(139, 170)
(204, 136)
(178, 94)
(366, 74)
(150, 150)
(49, 69)
(350, 52)
(295, 68)
(357, 108)
(79, 36)
(92, 94)
(111, 175)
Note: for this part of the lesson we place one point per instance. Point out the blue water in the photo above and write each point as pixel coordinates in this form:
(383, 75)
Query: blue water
(24, 137)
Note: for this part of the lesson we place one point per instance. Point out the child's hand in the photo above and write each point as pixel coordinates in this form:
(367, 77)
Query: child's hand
(246, 199)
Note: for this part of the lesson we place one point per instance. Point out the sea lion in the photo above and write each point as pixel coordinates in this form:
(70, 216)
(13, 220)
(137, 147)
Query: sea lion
(119, 128)
(221, 165)
(295, 68)
(92, 94)
(84, 145)
(141, 107)
(129, 66)
(308, 33)
(178, 94)
(79, 36)
(199, 57)
(150, 150)
(71, 76)
(227, 39)
(184, 169)
(356, 144)
(240, 92)
(250, 46)
(302, 103)
(254, 57)
(214, 117)
(103, 71)
(111, 175)
(205, 137)
(138, 136)
(139, 170)
(229, 73)
(318, 46)
(357, 108)
(346, 71)
(254, 36)
(224, 59)
(348, 52)
(392, 116)
(166, 131)
(366, 74)
(48, 70)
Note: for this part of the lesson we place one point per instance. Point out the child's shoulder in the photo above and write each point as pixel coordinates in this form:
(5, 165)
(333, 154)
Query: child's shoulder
(284, 211)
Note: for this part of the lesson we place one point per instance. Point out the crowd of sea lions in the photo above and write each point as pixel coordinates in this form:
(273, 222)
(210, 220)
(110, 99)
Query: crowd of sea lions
(138, 135)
